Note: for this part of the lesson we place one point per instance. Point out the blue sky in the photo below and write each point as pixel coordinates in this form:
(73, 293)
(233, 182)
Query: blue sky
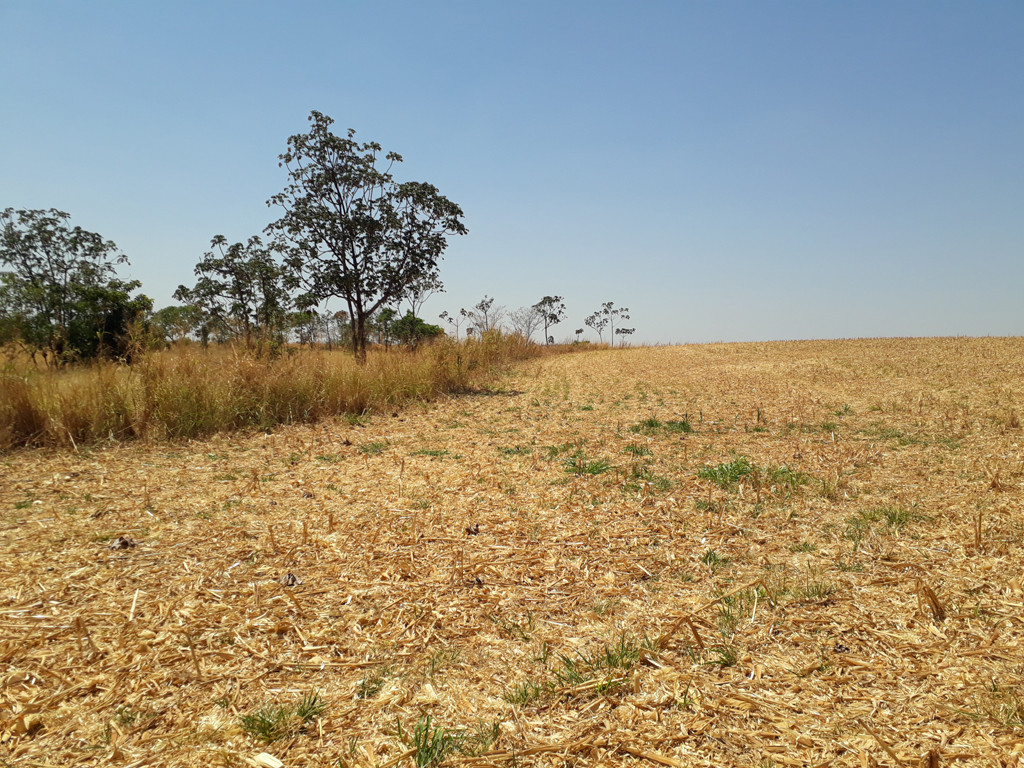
(728, 171)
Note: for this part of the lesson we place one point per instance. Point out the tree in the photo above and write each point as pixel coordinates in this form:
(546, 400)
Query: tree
(525, 321)
(455, 321)
(419, 292)
(411, 330)
(552, 312)
(381, 323)
(352, 231)
(174, 324)
(61, 296)
(243, 287)
(484, 316)
(606, 317)
(598, 322)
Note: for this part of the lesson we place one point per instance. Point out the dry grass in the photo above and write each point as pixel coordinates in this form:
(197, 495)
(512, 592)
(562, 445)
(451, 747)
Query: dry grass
(841, 585)
(190, 392)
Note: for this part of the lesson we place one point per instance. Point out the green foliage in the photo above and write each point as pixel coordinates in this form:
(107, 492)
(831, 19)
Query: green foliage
(242, 291)
(174, 324)
(411, 330)
(637, 450)
(728, 474)
(372, 683)
(526, 693)
(516, 630)
(61, 296)
(713, 560)
(353, 232)
(602, 666)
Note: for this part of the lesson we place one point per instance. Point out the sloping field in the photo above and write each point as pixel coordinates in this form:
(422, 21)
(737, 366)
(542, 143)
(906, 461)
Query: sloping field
(805, 553)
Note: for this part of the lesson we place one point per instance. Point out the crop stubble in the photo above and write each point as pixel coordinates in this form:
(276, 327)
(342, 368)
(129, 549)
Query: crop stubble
(440, 559)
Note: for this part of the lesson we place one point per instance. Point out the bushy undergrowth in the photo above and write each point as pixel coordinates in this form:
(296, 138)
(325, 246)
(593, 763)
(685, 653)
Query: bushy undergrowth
(190, 392)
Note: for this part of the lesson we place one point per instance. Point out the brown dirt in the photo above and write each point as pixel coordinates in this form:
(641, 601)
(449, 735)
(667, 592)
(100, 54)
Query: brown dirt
(855, 599)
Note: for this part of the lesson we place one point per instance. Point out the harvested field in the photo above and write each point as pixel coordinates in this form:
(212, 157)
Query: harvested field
(803, 553)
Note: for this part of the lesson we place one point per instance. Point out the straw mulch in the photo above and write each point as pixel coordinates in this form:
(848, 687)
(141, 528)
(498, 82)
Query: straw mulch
(546, 572)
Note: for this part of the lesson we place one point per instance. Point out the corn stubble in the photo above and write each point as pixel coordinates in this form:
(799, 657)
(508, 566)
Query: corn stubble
(789, 595)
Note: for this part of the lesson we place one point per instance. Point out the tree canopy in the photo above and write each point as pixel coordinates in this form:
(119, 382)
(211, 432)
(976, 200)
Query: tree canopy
(243, 289)
(60, 295)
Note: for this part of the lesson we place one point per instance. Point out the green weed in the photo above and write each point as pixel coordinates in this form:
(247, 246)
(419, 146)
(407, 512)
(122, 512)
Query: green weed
(431, 744)
(654, 426)
(578, 464)
(272, 722)
(637, 450)
(517, 631)
(372, 683)
(526, 693)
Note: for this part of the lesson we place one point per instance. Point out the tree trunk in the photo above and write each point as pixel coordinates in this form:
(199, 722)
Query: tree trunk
(359, 338)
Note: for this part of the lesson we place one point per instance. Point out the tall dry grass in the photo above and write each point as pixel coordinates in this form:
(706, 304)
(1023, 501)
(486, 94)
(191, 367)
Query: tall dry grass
(189, 392)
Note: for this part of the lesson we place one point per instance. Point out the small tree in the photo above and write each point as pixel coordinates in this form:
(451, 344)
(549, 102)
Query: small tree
(381, 323)
(411, 330)
(525, 321)
(624, 332)
(552, 312)
(455, 320)
(61, 296)
(353, 232)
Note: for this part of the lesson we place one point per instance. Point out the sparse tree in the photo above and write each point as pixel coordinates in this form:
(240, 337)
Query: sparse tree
(420, 291)
(354, 232)
(606, 317)
(598, 322)
(525, 321)
(484, 316)
(552, 312)
(455, 320)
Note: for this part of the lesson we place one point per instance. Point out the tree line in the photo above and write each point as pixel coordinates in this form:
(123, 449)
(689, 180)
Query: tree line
(347, 231)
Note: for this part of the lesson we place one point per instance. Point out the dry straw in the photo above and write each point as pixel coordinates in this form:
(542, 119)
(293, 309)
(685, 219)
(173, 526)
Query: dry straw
(817, 571)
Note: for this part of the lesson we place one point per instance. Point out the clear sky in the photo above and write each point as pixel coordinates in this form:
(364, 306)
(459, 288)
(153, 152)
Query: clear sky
(727, 170)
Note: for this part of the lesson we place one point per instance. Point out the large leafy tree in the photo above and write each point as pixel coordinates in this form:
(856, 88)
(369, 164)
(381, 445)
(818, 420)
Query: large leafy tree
(59, 292)
(243, 288)
(354, 232)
